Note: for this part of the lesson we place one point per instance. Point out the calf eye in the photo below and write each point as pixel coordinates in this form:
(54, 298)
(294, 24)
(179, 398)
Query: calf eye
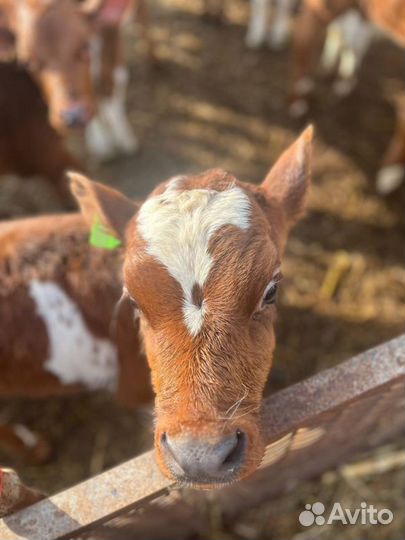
(270, 293)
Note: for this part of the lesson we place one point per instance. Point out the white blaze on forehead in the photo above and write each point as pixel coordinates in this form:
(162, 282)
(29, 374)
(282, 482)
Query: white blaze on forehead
(177, 227)
(75, 354)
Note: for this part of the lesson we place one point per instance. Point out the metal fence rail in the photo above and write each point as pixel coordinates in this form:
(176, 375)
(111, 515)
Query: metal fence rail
(309, 427)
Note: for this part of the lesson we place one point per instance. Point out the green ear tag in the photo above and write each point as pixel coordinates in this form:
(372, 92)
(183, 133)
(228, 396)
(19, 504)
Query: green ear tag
(100, 237)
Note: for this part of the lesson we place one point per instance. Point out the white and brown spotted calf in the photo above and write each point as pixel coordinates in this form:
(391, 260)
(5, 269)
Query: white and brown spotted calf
(57, 305)
(201, 267)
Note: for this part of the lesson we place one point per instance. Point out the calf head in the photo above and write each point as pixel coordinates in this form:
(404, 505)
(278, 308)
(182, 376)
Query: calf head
(201, 270)
(53, 39)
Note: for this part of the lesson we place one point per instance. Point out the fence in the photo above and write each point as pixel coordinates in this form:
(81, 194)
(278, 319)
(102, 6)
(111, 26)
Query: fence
(309, 427)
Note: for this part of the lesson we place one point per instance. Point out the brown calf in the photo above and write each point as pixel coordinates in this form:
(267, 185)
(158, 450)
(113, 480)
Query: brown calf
(201, 272)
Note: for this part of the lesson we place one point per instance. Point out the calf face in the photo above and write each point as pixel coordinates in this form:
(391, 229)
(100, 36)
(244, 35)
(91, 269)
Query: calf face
(201, 270)
(53, 38)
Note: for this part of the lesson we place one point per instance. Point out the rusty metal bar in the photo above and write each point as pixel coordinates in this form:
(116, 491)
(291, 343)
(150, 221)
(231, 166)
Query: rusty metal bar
(325, 401)
(91, 502)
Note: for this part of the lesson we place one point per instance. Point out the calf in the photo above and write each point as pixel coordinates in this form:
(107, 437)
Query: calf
(51, 39)
(347, 40)
(310, 33)
(201, 267)
(309, 38)
(72, 49)
(57, 301)
(201, 273)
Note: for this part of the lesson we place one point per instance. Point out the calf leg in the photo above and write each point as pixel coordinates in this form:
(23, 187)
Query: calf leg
(280, 28)
(392, 173)
(258, 23)
(110, 132)
(23, 445)
(309, 40)
(357, 36)
(14, 494)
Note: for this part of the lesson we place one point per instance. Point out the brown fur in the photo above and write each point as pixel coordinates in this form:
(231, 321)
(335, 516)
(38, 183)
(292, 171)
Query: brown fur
(29, 145)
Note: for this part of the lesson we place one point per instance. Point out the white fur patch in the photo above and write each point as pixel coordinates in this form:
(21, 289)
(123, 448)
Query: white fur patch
(109, 133)
(75, 354)
(29, 438)
(389, 178)
(178, 226)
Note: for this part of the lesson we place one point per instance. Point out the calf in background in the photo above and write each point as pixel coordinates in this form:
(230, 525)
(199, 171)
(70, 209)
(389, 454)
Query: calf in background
(57, 303)
(309, 39)
(72, 49)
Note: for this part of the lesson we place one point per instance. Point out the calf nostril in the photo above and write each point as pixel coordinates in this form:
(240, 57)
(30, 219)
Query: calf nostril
(236, 452)
(76, 116)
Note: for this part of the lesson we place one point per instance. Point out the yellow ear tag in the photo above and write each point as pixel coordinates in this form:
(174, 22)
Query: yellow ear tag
(100, 237)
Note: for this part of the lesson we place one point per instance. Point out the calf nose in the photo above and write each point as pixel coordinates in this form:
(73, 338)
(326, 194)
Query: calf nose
(194, 459)
(76, 115)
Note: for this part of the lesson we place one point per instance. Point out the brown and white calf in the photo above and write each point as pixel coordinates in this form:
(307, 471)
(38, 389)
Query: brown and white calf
(73, 50)
(201, 263)
(347, 40)
(201, 271)
(57, 304)
(311, 31)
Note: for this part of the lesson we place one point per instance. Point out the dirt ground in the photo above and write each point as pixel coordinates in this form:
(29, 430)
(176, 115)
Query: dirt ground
(211, 102)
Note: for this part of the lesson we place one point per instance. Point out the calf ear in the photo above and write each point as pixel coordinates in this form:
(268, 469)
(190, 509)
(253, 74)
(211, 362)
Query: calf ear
(103, 204)
(288, 180)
